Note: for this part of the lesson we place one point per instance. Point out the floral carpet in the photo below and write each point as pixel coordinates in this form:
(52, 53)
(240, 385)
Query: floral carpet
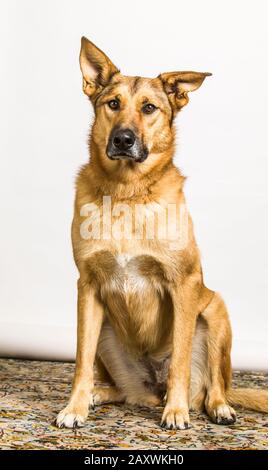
(33, 392)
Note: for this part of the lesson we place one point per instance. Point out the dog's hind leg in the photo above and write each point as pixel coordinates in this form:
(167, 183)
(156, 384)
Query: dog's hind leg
(128, 373)
(102, 374)
(219, 372)
(109, 394)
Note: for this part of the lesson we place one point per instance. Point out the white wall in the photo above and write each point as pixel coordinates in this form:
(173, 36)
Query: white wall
(45, 120)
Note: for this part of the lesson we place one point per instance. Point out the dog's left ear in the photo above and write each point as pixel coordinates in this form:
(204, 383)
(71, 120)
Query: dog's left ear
(97, 69)
(178, 84)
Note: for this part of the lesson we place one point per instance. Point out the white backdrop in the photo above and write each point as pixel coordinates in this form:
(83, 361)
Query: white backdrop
(222, 148)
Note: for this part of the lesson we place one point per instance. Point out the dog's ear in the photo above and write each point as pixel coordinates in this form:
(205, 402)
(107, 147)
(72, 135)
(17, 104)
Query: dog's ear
(96, 67)
(178, 84)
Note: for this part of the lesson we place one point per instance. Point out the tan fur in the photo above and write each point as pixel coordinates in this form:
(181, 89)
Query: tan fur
(251, 399)
(144, 313)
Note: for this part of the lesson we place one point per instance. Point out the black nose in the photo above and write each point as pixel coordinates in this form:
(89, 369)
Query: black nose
(123, 139)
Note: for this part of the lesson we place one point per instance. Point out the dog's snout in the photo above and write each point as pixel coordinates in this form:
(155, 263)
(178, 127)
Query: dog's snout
(123, 139)
(124, 144)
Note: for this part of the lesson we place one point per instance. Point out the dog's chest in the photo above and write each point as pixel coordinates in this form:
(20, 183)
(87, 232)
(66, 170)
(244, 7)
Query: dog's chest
(131, 275)
(123, 259)
(134, 293)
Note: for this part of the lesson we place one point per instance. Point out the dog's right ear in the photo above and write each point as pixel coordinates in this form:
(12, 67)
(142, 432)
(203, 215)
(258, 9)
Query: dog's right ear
(96, 67)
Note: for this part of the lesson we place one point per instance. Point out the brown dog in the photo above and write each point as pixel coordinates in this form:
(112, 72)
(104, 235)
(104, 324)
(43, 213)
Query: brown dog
(145, 316)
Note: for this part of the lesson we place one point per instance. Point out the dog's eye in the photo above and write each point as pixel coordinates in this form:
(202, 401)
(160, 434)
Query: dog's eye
(114, 104)
(148, 108)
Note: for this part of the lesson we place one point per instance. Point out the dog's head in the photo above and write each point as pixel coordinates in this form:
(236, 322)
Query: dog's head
(133, 115)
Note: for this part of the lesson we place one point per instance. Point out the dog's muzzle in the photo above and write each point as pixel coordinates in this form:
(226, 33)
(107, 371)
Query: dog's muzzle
(124, 145)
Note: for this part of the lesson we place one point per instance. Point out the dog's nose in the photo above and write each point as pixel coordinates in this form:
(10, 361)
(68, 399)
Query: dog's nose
(124, 139)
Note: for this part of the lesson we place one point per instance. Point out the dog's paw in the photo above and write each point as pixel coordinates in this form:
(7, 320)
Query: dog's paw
(175, 418)
(150, 401)
(223, 414)
(147, 400)
(68, 419)
(74, 416)
(109, 394)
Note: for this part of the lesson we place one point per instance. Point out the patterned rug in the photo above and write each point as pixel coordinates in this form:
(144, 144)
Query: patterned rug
(32, 393)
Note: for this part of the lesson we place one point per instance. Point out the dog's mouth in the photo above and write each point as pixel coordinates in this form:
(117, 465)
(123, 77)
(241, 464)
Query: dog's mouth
(138, 158)
(124, 145)
(119, 155)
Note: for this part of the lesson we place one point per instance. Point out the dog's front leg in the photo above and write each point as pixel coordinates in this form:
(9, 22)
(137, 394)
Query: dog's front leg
(90, 318)
(176, 411)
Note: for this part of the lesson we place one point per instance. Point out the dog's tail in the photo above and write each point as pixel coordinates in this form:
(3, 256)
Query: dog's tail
(252, 399)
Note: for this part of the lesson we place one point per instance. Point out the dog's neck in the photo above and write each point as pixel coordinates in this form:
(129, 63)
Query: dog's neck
(124, 180)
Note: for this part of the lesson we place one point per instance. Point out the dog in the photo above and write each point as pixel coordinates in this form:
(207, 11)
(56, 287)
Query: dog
(146, 321)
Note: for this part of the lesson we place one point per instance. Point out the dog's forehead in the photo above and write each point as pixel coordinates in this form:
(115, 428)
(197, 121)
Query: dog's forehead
(136, 85)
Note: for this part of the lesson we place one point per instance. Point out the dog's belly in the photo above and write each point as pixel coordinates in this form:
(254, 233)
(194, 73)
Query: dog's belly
(157, 367)
(138, 305)
(151, 369)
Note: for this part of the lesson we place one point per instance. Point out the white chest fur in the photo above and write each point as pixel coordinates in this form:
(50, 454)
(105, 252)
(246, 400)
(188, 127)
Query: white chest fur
(123, 259)
(133, 281)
